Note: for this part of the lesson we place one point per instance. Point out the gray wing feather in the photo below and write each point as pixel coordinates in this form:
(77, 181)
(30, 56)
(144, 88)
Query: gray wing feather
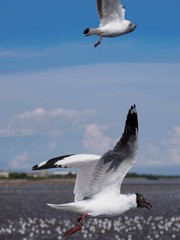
(84, 163)
(82, 180)
(110, 11)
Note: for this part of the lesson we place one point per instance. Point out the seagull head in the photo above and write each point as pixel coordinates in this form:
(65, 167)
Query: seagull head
(141, 202)
(132, 26)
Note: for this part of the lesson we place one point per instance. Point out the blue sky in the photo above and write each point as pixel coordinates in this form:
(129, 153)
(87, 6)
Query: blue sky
(61, 95)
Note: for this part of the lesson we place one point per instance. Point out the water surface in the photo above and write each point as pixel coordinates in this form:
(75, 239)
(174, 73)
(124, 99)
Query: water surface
(24, 214)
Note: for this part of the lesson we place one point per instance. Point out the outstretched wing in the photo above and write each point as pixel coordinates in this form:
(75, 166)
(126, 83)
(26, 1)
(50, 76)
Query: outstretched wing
(110, 11)
(84, 163)
(111, 169)
(96, 174)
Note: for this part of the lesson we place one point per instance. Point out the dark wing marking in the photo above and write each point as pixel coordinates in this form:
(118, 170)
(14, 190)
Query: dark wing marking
(124, 147)
(111, 169)
(51, 163)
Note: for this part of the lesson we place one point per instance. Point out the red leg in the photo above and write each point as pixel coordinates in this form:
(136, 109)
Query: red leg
(77, 227)
(81, 219)
(73, 230)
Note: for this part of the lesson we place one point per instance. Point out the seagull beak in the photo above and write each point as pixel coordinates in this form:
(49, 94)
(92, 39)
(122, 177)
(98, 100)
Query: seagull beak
(147, 205)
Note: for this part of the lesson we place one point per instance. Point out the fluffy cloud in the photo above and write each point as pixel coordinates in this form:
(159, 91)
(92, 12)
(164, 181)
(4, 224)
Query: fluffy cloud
(40, 114)
(95, 139)
(38, 120)
(167, 153)
(10, 131)
(107, 88)
(173, 145)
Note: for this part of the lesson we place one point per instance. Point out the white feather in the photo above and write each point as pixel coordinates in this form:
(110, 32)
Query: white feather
(110, 11)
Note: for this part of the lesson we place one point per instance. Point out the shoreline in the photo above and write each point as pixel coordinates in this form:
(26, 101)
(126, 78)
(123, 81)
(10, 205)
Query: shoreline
(12, 182)
(15, 182)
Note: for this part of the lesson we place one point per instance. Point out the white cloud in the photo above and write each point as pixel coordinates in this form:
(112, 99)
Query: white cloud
(10, 131)
(29, 52)
(41, 114)
(95, 140)
(166, 153)
(151, 155)
(107, 88)
(173, 145)
(41, 120)
(61, 51)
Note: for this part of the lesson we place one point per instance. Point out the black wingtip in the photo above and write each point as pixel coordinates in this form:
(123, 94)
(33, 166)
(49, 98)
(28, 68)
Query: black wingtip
(51, 163)
(133, 106)
(132, 110)
(131, 124)
(132, 118)
(130, 129)
(123, 7)
(35, 167)
(86, 31)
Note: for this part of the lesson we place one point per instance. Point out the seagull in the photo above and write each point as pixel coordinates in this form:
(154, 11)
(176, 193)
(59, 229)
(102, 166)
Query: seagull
(112, 20)
(97, 190)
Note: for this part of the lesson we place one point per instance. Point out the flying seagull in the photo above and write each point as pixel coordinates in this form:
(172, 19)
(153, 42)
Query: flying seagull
(112, 20)
(99, 178)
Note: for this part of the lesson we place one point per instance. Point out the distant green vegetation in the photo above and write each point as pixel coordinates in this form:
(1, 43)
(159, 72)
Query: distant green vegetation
(16, 175)
(23, 175)
(149, 176)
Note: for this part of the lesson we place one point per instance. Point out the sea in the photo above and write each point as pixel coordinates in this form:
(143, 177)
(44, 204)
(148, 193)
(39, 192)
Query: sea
(24, 214)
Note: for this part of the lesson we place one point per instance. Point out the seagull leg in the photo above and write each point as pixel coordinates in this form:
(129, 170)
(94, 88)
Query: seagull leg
(73, 230)
(99, 42)
(77, 227)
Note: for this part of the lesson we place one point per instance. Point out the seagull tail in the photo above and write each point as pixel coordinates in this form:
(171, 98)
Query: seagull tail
(65, 207)
(58, 206)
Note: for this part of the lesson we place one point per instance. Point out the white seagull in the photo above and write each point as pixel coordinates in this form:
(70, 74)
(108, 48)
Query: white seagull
(112, 20)
(99, 178)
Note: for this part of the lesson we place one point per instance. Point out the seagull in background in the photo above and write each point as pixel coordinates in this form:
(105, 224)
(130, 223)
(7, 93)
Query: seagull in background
(112, 20)
(98, 181)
